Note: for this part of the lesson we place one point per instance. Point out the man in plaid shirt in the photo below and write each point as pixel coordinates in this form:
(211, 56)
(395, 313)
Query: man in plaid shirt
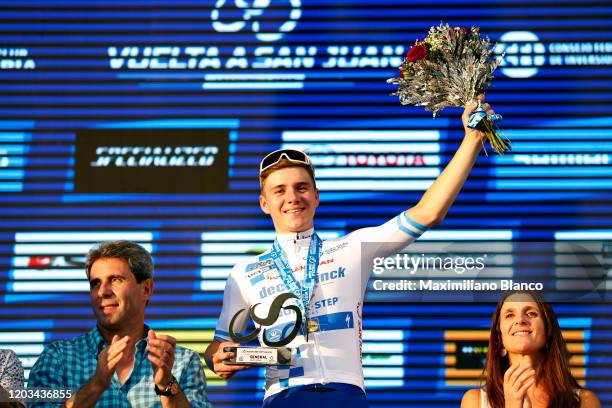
(121, 362)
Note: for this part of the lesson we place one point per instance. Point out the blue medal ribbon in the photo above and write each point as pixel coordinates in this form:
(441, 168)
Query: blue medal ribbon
(302, 291)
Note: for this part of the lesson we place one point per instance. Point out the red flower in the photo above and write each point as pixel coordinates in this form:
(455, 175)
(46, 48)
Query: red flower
(462, 29)
(417, 52)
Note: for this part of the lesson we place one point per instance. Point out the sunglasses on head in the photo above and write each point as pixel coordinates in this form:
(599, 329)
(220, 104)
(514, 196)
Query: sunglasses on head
(283, 154)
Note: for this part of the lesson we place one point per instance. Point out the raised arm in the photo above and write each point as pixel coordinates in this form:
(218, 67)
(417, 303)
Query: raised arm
(439, 197)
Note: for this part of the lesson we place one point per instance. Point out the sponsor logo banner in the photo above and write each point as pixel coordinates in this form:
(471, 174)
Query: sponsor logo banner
(152, 161)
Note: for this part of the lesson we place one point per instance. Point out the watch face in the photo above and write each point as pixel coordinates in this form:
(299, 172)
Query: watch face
(174, 388)
(171, 389)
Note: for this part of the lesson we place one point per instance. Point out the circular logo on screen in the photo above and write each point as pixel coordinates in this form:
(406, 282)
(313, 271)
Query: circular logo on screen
(268, 19)
(524, 54)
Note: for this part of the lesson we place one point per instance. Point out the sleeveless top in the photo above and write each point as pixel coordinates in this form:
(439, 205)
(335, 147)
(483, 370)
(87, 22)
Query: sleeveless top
(483, 399)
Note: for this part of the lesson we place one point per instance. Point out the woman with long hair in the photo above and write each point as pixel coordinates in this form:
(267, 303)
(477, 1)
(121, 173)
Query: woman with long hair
(527, 360)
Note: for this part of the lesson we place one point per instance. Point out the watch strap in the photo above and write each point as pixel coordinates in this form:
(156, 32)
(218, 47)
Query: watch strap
(171, 388)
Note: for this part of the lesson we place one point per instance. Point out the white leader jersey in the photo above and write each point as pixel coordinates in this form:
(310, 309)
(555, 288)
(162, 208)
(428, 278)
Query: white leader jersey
(333, 350)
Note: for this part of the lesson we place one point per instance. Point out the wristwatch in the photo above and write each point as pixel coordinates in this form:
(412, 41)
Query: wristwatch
(172, 388)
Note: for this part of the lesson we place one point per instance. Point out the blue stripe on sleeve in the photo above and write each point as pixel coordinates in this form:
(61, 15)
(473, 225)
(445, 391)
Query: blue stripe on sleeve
(406, 230)
(221, 333)
(413, 223)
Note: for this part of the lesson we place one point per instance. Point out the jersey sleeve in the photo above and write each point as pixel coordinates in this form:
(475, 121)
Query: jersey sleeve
(234, 300)
(385, 240)
(390, 237)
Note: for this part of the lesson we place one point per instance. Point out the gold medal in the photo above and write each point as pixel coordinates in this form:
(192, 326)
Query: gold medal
(312, 325)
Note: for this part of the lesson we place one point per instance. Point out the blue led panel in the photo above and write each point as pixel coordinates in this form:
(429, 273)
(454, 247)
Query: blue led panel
(242, 81)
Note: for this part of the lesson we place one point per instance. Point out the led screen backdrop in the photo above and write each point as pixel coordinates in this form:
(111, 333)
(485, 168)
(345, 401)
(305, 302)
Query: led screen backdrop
(145, 120)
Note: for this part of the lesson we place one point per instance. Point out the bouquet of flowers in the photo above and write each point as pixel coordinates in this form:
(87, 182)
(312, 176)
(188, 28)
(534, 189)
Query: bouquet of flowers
(450, 67)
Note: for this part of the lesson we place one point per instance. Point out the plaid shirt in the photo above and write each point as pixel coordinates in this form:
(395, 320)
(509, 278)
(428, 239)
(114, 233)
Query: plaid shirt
(71, 363)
